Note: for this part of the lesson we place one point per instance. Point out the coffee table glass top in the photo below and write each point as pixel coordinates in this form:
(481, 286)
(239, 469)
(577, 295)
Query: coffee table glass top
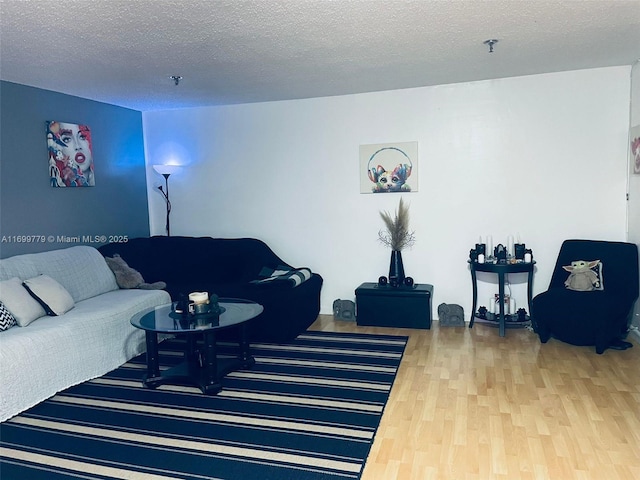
(162, 319)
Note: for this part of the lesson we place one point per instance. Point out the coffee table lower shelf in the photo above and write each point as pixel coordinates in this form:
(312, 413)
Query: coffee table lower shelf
(190, 373)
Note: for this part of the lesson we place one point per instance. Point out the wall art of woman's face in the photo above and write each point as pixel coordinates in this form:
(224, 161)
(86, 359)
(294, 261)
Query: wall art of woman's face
(70, 155)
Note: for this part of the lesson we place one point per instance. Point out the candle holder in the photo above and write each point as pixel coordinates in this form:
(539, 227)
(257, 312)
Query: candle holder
(197, 311)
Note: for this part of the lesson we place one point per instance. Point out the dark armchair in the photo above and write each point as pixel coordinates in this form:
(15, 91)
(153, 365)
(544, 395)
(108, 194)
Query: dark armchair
(598, 317)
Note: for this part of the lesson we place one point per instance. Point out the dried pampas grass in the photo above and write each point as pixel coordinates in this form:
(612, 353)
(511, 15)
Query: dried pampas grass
(397, 235)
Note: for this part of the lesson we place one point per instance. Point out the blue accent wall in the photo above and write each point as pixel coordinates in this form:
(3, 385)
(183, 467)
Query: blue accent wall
(30, 209)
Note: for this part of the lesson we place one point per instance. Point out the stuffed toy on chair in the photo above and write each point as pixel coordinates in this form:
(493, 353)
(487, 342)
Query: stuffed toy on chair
(583, 276)
(127, 277)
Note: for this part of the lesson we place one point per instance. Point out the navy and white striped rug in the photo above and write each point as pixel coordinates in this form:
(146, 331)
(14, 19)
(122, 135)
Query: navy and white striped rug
(307, 410)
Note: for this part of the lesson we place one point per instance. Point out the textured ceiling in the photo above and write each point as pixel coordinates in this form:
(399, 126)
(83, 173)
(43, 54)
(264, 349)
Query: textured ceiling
(233, 51)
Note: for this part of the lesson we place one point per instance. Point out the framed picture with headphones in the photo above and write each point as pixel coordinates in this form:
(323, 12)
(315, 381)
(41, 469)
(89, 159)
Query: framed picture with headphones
(389, 168)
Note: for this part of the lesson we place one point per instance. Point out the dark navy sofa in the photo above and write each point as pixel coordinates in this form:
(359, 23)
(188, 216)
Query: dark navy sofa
(228, 268)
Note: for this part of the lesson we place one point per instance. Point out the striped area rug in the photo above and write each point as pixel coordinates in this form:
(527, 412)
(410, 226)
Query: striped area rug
(307, 410)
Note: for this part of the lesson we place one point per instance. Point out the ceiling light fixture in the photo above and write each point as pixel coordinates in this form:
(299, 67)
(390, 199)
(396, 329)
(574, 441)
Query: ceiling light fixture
(490, 42)
(176, 78)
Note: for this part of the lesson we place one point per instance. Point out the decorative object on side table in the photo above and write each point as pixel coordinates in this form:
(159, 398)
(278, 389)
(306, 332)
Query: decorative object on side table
(522, 315)
(397, 236)
(500, 253)
(511, 253)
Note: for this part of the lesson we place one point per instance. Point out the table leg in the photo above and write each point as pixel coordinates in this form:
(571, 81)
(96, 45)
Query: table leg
(190, 353)
(153, 363)
(475, 296)
(245, 354)
(529, 296)
(501, 300)
(210, 384)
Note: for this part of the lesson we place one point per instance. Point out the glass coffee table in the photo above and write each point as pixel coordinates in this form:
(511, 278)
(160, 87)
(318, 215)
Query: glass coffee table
(201, 366)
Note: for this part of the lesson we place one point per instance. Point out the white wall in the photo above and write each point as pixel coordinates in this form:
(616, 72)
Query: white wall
(633, 216)
(544, 156)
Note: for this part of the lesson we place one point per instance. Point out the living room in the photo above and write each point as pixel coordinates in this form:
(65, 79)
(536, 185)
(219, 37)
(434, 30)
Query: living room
(497, 158)
(543, 157)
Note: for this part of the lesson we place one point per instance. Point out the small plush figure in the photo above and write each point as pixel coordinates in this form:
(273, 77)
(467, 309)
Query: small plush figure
(582, 277)
(127, 277)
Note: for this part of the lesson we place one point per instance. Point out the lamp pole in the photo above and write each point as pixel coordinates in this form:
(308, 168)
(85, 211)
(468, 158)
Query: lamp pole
(165, 194)
(166, 171)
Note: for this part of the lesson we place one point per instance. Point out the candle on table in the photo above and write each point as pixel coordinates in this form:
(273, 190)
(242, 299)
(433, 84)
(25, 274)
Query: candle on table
(199, 297)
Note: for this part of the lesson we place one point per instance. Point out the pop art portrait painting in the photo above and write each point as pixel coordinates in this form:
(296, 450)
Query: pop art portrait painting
(634, 150)
(70, 155)
(389, 168)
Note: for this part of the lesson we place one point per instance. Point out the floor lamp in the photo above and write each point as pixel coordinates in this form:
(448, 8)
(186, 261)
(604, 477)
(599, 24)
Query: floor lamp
(165, 171)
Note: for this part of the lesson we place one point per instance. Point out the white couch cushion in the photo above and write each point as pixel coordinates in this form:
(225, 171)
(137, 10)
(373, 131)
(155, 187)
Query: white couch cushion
(81, 270)
(53, 297)
(23, 306)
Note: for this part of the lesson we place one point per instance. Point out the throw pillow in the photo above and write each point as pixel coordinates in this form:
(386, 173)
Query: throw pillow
(7, 320)
(18, 301)
(294, 277)
(584, 276)
(53, 297)
(127, 277)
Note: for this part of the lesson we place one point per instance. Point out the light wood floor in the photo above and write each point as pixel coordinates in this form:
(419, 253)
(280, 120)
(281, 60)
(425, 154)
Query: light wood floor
(469, 405)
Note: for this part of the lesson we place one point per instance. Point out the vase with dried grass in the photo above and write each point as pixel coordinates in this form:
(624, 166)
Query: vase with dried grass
(396, 236)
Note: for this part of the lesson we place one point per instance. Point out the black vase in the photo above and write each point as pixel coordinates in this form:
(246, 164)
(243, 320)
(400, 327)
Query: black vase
(396, 269)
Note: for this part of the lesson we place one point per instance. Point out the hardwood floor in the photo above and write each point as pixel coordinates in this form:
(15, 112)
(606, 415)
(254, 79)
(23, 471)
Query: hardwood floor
(470, 405)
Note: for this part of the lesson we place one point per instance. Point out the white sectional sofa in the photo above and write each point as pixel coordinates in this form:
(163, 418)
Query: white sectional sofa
(53, 353)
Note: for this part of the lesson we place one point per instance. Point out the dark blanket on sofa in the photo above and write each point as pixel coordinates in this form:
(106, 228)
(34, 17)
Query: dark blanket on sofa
(228, 268)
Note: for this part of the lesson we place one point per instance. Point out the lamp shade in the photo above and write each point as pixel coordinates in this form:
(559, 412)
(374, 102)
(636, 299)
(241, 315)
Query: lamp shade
(166, 169)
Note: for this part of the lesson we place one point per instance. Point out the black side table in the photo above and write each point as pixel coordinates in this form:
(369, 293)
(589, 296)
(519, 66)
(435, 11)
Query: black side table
(387, 306)
(501, 269)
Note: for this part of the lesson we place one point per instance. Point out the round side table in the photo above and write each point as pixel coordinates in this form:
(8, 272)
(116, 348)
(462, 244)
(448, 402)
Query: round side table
(501, 269)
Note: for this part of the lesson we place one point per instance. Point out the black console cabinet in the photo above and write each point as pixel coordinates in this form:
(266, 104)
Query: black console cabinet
(386, 306)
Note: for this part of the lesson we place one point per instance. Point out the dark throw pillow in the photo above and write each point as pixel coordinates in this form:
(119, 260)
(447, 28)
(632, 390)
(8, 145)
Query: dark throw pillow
(7, 320)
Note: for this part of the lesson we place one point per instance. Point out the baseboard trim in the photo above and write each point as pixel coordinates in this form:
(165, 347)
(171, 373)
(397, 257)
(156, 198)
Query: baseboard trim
(636, 333)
